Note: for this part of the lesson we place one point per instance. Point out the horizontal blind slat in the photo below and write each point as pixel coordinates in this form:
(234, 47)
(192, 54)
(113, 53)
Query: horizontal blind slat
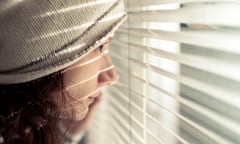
(201, 38)
(202, 13)
(134, 3)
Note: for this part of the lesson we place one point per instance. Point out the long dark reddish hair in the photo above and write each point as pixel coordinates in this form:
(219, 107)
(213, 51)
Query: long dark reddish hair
(25, 111)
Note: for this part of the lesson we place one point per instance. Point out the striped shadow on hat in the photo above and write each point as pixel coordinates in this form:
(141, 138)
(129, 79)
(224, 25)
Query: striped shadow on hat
(40, 37)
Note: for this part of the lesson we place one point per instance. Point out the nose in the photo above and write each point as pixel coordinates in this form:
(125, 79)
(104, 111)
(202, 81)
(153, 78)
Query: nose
(108, 74)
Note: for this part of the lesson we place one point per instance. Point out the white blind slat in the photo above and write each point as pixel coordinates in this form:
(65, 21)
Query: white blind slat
(204, 13)
(201, 38)
(135, 3)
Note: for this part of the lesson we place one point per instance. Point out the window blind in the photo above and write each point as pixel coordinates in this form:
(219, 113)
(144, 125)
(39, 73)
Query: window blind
(179, 67)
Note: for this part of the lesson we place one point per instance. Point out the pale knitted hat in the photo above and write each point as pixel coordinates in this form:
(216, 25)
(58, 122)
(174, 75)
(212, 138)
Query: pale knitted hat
(40, 37)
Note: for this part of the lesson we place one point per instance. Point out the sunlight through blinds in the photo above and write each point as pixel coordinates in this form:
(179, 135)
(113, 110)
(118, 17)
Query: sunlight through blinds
(179, 67)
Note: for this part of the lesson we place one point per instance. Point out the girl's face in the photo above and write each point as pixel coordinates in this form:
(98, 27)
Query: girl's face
(83, 82)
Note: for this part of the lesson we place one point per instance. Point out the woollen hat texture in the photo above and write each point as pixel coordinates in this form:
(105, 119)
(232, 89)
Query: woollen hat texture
(40, 37)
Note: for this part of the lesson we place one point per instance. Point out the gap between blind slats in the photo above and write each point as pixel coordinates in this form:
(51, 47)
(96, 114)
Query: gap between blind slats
(137, 92)
(119, 93)
(123, 85)
(138, 137)
(230, 71)
(214, 91)
(151, 134)
(160, 2)
(218, 40)
(115, 138)
(202, 13)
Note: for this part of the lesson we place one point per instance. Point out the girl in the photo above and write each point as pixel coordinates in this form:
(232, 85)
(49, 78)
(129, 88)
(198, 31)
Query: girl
(53, 63)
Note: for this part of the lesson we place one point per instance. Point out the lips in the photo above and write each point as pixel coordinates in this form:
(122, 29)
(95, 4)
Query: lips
(96, 94)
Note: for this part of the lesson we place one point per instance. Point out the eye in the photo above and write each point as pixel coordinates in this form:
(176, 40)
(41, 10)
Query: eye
(101, 49)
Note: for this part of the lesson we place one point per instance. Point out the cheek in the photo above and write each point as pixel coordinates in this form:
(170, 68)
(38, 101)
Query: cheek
(79, 91)
(79, 75)
(81, 81)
